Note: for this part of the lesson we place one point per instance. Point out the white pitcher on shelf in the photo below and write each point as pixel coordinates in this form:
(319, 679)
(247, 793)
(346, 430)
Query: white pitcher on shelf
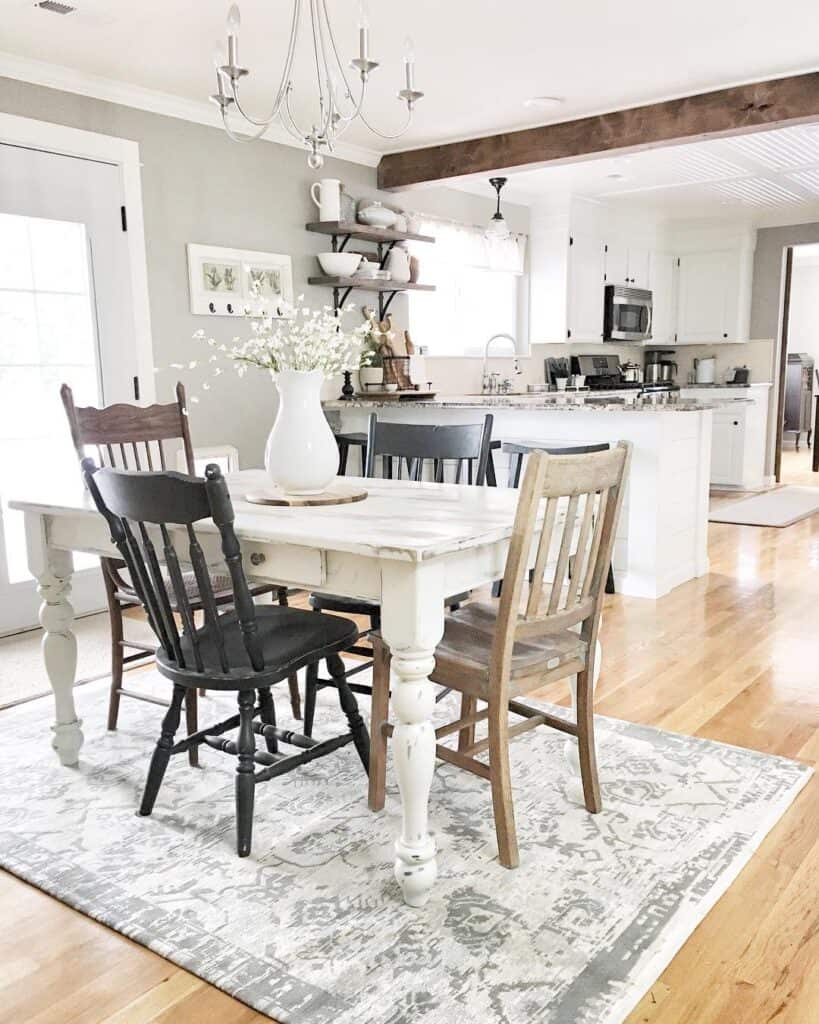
(328, 199)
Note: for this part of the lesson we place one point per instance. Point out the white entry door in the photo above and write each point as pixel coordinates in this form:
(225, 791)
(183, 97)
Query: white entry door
(65, 317)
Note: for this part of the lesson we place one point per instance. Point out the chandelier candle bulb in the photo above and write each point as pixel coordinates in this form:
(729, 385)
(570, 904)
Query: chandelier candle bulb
(234, 21)
(409, 63)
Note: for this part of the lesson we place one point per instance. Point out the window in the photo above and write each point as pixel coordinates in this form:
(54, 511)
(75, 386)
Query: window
(477, 294)
(47, 336)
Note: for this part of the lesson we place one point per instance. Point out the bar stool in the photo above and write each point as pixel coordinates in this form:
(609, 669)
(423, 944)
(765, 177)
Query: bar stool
(355, 440)
(516, 450)
(347, 441)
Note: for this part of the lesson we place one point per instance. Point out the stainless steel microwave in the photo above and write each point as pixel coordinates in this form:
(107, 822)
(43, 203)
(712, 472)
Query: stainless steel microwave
(627, 314)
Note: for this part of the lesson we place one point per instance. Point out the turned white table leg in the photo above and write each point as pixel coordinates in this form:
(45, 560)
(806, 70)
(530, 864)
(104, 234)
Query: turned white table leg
(53, 570)
(412, 623)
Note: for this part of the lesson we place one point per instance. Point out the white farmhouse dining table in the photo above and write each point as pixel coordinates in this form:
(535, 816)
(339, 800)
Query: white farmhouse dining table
(407, 546)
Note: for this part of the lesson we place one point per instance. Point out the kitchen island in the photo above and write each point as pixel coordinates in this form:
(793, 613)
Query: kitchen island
(662, 538)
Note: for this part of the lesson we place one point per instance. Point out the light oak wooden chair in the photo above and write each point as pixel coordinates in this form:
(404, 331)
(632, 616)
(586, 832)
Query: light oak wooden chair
(498, 652)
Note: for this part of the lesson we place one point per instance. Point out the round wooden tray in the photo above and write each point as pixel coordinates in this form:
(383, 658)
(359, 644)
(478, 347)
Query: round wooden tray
(336, 494)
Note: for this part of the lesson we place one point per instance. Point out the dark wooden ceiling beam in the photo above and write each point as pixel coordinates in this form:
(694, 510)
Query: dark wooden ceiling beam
(735, 111)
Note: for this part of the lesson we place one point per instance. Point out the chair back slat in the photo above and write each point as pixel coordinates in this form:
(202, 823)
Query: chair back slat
(181, 591)
(597, 539)
(582, 558)
(222, 513)
(584, 495)
(142, 584)
(414, 444)
(161, 592)
(543, 549)
(203, 583)
(563, 555)
(134, 501)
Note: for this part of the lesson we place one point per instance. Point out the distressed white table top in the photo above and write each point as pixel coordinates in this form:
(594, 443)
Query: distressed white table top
(399, 519)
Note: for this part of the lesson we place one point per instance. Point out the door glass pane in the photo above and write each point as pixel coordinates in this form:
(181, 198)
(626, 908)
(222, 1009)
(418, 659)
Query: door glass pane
(47, 338)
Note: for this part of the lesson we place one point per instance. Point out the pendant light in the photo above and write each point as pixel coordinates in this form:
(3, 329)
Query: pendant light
(497, 227)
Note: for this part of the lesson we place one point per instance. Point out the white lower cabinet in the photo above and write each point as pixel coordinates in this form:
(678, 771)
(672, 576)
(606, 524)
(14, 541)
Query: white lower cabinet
(727, 446)
(738, 434)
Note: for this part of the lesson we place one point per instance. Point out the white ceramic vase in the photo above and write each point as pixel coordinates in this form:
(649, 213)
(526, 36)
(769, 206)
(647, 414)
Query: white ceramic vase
(301, 456)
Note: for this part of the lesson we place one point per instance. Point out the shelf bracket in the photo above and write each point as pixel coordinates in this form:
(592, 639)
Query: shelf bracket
(384, 304)
(382, 255)
(343, 244)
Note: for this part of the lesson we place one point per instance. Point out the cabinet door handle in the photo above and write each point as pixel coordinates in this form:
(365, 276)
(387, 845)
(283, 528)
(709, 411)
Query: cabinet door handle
(725, 335)
(736, 423)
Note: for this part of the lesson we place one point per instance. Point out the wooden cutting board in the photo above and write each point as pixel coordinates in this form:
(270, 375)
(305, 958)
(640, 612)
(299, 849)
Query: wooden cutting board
(336, 494)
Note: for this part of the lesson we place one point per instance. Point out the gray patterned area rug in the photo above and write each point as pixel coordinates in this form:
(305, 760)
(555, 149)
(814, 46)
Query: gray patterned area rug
(310, 929)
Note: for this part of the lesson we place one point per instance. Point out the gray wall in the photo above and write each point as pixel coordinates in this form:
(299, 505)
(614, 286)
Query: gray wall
(198, 186)
(767, 286)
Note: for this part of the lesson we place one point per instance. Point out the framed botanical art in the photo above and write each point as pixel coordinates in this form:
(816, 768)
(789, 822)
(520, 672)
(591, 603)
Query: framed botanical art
(238, 282)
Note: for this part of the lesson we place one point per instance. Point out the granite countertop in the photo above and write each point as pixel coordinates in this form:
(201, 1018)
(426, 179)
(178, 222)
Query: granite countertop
(742, 387)
(551, 402)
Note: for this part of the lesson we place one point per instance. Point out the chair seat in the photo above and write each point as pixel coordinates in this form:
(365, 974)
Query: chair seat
(290, 638)
(462, 657)
(357, 606)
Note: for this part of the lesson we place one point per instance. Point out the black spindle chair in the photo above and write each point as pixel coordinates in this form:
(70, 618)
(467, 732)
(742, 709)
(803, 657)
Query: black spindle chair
(246, 650)
(404, 450)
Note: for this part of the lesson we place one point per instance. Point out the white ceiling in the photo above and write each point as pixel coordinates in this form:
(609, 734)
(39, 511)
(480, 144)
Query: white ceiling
(765, 178)
(478, 60)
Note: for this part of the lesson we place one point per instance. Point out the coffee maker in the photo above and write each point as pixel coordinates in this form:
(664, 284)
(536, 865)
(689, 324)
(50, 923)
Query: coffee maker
(659, 371)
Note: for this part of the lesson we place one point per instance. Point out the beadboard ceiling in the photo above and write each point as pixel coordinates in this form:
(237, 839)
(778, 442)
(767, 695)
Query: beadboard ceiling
(478, 61)
(766, 178)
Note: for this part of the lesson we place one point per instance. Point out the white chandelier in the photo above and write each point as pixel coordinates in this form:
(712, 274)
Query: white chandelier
(338, 105)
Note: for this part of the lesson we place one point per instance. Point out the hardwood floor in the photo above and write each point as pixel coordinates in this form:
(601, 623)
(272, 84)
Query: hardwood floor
(731, 657)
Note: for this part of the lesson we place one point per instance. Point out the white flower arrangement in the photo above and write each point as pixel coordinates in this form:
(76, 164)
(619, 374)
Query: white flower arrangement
(303, 339)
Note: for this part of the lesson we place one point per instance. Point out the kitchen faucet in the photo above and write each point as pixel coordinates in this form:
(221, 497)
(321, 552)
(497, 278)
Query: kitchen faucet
(488, 382)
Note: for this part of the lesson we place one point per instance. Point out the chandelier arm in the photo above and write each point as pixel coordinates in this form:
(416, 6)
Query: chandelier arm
(349, 91)
(280, 92)
(325, 107)
(385, 135)
(292, 127)
(344, 120)
(241, 138)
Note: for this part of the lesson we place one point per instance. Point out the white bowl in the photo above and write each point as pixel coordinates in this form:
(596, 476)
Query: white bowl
(390, 387)
(377, 216)
(339, 264)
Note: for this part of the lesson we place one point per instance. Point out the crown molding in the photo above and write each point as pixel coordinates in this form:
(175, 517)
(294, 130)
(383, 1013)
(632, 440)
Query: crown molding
(55, 76)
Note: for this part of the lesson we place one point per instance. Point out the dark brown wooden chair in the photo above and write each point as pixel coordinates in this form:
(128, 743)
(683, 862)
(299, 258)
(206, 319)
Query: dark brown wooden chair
(246, 650)
(404, 450)
(137, 438)
(496, 653)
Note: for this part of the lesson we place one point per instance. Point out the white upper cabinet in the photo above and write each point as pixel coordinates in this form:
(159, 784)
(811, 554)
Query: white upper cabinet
(707, 289)
(627, 265)
(584, 319)
(664, 299)
(639, 268)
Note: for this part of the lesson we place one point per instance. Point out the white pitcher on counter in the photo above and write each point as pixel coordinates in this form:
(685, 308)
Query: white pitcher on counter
(328, 200)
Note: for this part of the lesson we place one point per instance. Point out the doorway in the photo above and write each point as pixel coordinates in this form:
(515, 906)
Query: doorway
(797, 452)
(66, 315)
